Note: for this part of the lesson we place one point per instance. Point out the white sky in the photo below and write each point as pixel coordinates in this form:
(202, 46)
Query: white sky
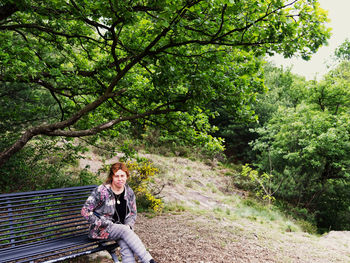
(339, 15)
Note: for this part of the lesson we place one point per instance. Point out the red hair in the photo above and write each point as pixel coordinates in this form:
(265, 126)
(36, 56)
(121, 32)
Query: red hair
(114, 168)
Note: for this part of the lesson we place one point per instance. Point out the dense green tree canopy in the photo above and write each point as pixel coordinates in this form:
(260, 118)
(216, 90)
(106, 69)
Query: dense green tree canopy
(75, 68)
(304, 142)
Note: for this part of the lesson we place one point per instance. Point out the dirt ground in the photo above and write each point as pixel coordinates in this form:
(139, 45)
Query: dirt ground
(187, 238)
(198, 235)
(183, 237)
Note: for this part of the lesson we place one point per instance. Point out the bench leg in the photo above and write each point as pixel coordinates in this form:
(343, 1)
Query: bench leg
(114, 257)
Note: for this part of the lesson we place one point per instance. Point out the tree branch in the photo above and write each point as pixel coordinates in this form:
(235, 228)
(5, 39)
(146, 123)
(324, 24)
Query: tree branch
(258, 20)
(50, 88)
(222, 21)
(106, 125)
(47, 30)
(46, 129)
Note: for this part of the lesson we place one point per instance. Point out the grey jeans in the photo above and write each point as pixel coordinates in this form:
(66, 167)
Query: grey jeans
(129, 243)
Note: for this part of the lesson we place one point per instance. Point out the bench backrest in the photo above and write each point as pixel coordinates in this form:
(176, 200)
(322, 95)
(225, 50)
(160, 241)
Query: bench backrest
(38, 216)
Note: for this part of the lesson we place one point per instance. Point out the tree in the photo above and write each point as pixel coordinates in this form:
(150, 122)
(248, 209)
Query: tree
(306, 142)
(343, 51)
(103, 63)
(309, 151)
(283, 89)
(332, 92)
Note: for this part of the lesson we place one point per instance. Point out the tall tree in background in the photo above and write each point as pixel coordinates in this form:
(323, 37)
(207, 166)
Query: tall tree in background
(283, 89)
(97, 64)
(305, 144)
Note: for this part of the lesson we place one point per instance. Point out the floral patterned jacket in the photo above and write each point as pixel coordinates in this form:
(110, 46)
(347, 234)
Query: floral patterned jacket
(99, 209)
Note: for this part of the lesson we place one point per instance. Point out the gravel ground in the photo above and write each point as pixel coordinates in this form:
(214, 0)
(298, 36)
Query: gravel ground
(183, 237)
(186, 238)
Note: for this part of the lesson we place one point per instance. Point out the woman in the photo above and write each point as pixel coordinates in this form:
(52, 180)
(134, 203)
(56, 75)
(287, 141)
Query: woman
(111, 212)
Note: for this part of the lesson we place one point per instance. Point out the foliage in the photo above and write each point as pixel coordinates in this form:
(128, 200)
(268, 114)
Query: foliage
(335, 206)
(343, 51)
(332, 94)
(264, 180)
(308, 147)
(197, 145)
(232, 124)
(128, 150)
(107, 65)
(44, 164)
(283, 89)
(307, 143)
(140, 177)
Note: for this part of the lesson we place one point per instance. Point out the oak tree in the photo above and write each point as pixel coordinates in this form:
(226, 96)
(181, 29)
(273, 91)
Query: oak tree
(79, 67)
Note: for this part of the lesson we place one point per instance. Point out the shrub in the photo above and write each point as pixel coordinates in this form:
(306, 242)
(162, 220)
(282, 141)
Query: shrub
(307, 226)
(44, 164)
(141, 173)
(263, 190)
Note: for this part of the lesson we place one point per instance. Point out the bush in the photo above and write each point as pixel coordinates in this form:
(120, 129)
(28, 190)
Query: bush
(307, 226)
(44, 164)
(304, 218)
(141, 174)
(195, 146)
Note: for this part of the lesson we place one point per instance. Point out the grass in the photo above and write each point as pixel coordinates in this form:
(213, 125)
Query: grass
(174, 207)
(187, 176)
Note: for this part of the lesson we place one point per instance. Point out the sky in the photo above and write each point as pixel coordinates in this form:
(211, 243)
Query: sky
(316, 67)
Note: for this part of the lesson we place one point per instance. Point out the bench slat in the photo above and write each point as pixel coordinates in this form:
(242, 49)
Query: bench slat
(42, 215)
(57, 208)
(50, 191)
(32, 230)
(17, 199)
(25, 224)
(51, 200)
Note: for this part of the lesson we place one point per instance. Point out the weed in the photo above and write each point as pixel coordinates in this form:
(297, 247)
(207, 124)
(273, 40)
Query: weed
(212, 187)
(196, 202)
(217, 210)
(290, 227)
(174, 207)
(306, 226)
(189, 184)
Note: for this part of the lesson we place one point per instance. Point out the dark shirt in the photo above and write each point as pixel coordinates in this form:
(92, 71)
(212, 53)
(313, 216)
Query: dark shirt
(120, 209)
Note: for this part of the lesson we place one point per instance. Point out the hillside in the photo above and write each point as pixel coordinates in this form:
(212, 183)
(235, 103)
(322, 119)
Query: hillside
(207, 220)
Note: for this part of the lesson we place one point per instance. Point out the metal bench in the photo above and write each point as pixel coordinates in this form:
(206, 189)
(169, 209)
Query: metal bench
(46, 226)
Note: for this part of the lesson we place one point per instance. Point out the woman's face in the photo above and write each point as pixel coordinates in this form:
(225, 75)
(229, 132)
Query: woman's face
(119, 179)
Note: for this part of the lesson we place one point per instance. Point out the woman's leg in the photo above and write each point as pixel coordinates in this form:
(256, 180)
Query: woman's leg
(119, 231)
(127, 253)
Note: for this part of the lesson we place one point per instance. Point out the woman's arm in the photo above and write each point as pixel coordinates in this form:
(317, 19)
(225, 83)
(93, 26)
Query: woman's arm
(130, 220)
(87, 211)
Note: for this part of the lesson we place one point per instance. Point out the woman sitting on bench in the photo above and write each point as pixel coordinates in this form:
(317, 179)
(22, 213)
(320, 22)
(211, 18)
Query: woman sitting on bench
(111, 212)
